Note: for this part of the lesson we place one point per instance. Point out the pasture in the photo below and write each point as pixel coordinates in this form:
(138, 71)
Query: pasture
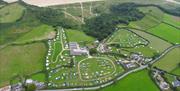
(152, 18)
(42, 32)
(11, 13)
(166, 32)
(125, 38)
(78, 36)
(154, 42)
(170, 61)
(138, 81)
(22, 60)
(174, 20)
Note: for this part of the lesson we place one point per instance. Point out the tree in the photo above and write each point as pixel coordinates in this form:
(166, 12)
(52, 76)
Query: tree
(93, 51)
(31, 87)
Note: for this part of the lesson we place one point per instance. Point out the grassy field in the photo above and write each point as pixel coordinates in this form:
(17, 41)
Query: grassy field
(170, 61)
(23, 60)
(166, 32)
(174, 20)
(78, 36)
(146, 51)
(96, 68)
(11, 13)
(154, 42)
(153, 18)
(139, 81)
(125, 38)
(39, 77)
(42, 32)
(176, 70)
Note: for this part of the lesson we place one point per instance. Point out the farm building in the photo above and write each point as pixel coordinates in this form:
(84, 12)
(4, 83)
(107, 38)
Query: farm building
(76, 50)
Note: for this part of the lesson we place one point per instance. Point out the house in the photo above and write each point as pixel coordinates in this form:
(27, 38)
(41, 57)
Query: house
(76, 50)
(176, 83)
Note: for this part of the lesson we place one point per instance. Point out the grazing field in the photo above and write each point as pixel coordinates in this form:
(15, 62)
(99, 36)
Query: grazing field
(23, 60)
(174, 20)
(153, 18)
(42, 32)
(154, 42)
(139, 81)
(170, 61)
(125, 38)
(11, 13)
(166, 32)
(78, 36)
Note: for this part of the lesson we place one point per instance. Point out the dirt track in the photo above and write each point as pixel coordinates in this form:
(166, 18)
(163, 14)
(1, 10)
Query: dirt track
(43, 3)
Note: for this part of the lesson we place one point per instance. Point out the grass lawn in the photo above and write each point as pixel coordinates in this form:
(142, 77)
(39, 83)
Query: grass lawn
(11, 13)
(39, 77)
(41, 32)
(24, 59)
(100, 67)
(78, 36)
(166, 32)
(154, 42)
(139, 81)
(172, 20)
(170, 61)
(125, 38)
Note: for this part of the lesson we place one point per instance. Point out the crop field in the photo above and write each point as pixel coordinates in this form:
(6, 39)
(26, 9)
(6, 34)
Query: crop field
(78, 36)
(166, 32)
(39, 33)
(13, 63)
(170, 61)
(11, 13)
(125, 38)
(154, 42)
(130, 82)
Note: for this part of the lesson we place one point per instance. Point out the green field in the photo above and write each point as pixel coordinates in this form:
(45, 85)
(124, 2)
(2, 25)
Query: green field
(174, 20)
(154, 42)
(170, 61)
(166, 32)
(176, 70)
(146, 51)
(100, 67)
(11, 13)
(23, 60)
(139, 81)
(125, 38)
(153, 18)
(78, 36)
(39, 77)
(39, 33)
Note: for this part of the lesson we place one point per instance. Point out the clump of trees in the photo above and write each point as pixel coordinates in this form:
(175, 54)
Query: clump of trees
(54, 17)
(105, 24)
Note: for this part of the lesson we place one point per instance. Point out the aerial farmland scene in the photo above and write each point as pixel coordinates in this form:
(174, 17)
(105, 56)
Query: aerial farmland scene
(89, 45)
